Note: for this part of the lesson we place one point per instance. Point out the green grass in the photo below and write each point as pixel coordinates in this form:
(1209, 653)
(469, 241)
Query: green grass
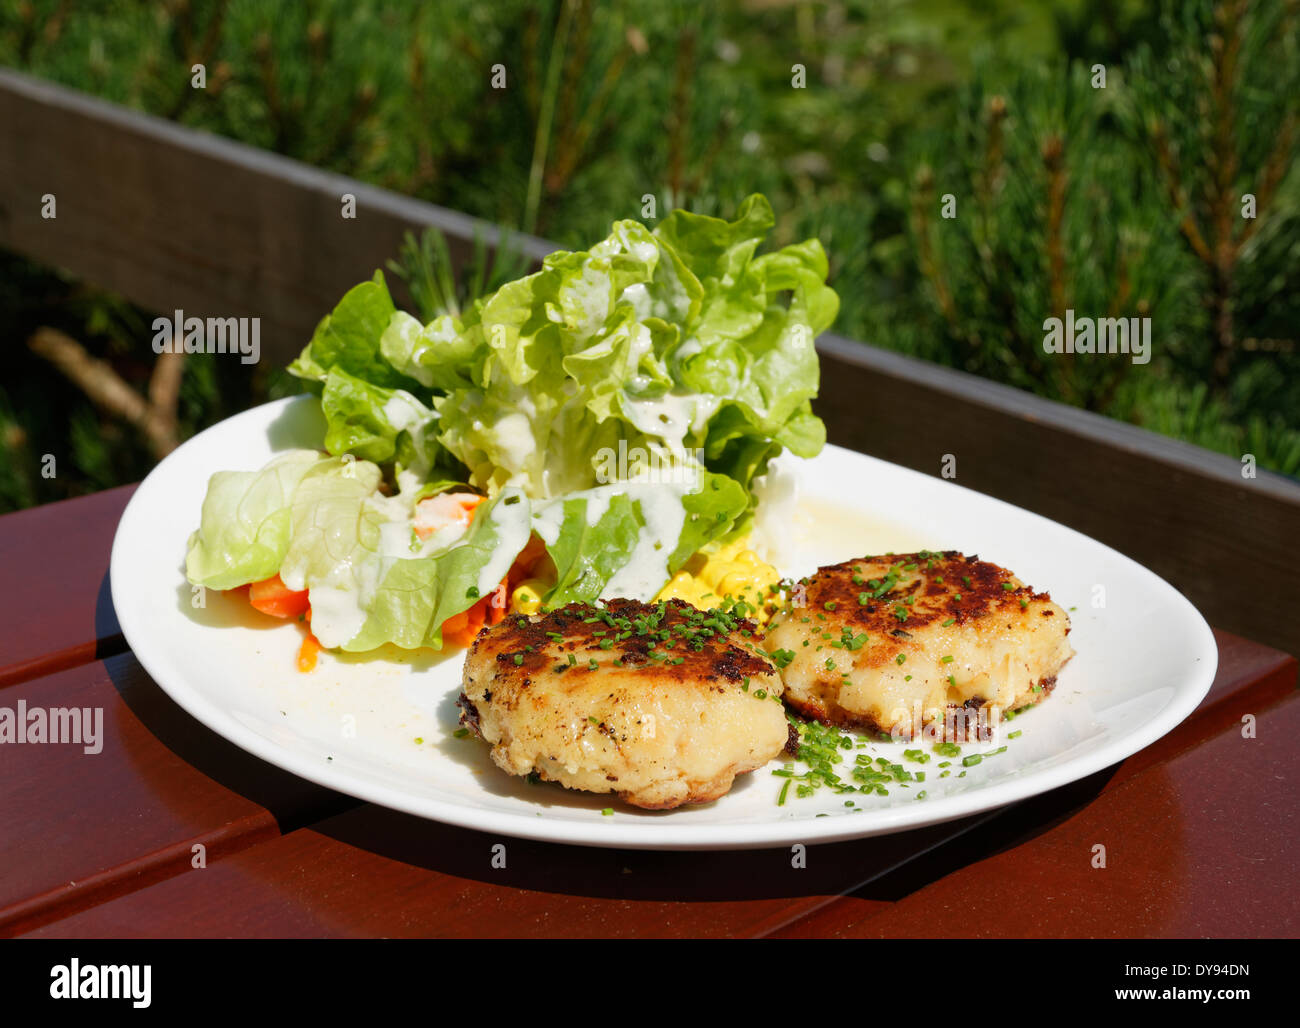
(693, 105)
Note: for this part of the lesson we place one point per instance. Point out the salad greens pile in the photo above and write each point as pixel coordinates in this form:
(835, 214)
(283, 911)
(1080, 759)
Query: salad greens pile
(620, 403)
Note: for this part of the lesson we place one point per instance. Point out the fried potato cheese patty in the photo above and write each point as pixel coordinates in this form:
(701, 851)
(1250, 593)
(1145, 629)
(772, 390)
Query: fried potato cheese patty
(660, 703)
(938, 643)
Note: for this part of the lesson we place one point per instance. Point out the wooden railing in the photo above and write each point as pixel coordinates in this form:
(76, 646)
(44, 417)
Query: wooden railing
(172, 218)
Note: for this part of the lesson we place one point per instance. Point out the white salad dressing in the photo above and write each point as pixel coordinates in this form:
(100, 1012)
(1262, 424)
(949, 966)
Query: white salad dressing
(513, 435)
(639, 297)
(597, 504)
(594, 288)
(777, 495)
(336, 614)
(407, 414)
(661, 510)
(511, 516)
(647, 570)
(340, 599)
(670, 416)
(548, 519)
(404, 412)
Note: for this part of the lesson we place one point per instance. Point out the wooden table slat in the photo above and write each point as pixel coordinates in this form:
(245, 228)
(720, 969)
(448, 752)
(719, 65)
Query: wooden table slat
(82, 827)
(54, 560)
(375, 872)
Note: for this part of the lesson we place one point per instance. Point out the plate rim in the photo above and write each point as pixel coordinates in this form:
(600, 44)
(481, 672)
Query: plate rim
(650, 835)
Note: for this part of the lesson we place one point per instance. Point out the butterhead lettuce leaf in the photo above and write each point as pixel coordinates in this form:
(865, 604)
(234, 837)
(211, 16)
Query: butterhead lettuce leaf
(244, 527)
(620, 401)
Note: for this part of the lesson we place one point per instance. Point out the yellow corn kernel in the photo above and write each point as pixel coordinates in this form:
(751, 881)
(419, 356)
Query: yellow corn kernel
(527, 597)
(741, 583)
(683, 586)
(731, 570)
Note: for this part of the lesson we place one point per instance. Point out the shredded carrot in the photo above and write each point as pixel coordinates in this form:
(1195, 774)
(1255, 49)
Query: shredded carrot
(496, 604)
(454, 507)
(308, 652)
(528, 557)
(462, 629)
(273, 597)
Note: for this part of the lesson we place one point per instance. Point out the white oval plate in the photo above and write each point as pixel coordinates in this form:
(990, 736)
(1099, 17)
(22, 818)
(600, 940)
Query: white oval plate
(381, 728)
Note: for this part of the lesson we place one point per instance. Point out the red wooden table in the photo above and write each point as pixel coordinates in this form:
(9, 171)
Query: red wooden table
(1198, 828)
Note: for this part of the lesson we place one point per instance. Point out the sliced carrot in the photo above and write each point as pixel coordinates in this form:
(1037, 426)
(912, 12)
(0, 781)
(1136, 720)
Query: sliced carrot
(445, 509)
(496, 604)
(308, 652)
(455, 628)
(463, 628)
(273, 597)
(526, 561)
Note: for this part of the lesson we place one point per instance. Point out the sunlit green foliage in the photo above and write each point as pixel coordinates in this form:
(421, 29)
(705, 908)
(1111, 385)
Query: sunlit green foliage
(1067, 195)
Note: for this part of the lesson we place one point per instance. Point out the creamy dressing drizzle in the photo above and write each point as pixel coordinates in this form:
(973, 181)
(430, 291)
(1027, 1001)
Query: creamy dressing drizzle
(647, 570)
(513, 526)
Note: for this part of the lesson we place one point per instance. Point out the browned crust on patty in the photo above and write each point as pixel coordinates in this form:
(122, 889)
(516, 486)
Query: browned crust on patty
(524, 647)
(897, 604)
(545, 666)
(918, 593)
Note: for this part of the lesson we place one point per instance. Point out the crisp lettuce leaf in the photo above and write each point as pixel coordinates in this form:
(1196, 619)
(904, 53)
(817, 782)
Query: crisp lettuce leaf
(348, 338)
(335, 525)
(244, 530)
(676, 340)
(673, 341)
(414, 596)
(711, 513)
(580, 399)
(595, 537)
(383, 425)
(627, 539)
(442, 355)
(369, 579)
